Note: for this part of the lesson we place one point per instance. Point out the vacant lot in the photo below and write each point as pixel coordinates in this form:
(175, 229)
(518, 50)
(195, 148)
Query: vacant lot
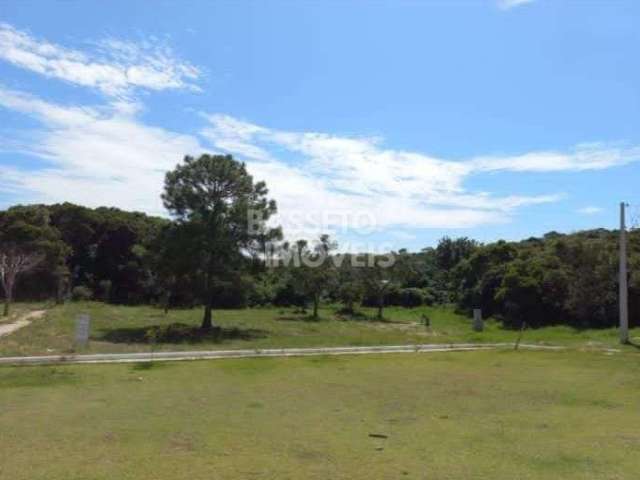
(480, 415)
(142, 329)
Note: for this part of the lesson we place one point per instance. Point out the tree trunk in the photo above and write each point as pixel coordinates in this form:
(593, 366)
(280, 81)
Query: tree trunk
(349, 307)
(7, 303)
(380, 306)
(166, 302)
(60, 291)
(207, 323)
(316, 301)
(8, 297)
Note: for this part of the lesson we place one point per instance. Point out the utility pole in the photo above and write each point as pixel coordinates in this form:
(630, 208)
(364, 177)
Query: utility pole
(624, 305)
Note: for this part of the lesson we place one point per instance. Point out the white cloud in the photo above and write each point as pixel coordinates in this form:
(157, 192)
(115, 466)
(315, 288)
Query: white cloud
(354, 176)
(115, 67)
(589, 156)
(591, 210)
(105, 155)
(509, 4)
(94, 156)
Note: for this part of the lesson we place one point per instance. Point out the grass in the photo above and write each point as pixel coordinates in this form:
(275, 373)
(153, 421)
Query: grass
(481, 415)
(144, 328)
(20, 308)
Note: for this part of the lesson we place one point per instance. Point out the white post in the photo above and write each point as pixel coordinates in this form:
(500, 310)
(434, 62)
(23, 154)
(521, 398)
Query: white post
(478, 324)
(82, 330)
(624, 306)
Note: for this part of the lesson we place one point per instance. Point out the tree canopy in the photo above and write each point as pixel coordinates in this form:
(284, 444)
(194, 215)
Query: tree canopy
(215, 198)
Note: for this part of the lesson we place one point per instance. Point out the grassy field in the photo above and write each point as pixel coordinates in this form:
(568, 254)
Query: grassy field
(472, 415)
(144, 328)
(19, 309)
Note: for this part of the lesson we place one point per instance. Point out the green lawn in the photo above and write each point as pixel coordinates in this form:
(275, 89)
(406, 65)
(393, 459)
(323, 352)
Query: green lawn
(125, 329)
(468, 415)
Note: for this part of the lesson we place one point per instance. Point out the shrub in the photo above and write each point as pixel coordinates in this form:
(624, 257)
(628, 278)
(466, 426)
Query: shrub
(105, 289)
(81, 293)
(412, 297)
(408, 297)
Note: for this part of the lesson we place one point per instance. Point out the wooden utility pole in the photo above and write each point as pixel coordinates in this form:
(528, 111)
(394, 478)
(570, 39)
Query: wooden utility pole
(624, 304)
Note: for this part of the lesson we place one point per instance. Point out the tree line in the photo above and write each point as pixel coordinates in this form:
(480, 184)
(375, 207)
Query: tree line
(207, 255)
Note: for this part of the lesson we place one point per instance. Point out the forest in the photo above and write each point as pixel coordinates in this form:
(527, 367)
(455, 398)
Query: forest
(106, 254)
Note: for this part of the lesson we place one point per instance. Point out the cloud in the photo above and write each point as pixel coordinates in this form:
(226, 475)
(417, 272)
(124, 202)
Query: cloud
(105, 155)
(589, 156)
(114, 67)
(591, 210)
(93, 155)
(354, 177)
(509, 4)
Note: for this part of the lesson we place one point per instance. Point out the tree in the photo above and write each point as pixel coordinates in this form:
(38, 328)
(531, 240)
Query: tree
(315, 274)
(14, 261)
(478, 277)
(350, 286)
(27, 240)
(215, 198)
(447, 255)
(379, 277)
(109, 249)
(450, 252)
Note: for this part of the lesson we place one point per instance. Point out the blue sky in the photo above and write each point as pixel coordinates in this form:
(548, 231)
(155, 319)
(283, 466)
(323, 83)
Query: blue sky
(490, 119)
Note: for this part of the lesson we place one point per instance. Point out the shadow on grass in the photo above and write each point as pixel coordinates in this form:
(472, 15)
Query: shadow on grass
(178, 333)
(298, 318)
(27, 376)
(634, 344)
(146, 366)
(358, 316)
(340, 314)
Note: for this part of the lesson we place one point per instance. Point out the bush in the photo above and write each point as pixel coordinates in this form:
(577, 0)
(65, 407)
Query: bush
(81, 293)
(287, 295)
(261, 293)
(411, 297)
(105, 289)
(402, 297)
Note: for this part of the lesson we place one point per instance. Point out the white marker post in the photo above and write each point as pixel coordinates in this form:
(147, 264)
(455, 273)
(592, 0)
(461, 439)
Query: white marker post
(624, 304)
(478, 324)
(82, 330)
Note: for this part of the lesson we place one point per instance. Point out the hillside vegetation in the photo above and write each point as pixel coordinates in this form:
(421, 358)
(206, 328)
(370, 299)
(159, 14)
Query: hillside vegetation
(554, 280)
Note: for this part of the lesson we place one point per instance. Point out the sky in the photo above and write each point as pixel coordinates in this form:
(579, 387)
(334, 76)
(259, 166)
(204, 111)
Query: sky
(387, 124)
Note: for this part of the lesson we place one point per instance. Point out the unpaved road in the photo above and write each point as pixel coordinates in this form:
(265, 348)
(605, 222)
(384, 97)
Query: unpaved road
(21, 322)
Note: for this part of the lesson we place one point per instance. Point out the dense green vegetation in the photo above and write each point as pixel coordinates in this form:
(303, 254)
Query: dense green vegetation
(105, 254)
(533, 415)
(210, 254)
(557, 279)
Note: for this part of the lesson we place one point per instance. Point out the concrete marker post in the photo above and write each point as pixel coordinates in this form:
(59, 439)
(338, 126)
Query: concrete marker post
(83, 322)
(478, 323)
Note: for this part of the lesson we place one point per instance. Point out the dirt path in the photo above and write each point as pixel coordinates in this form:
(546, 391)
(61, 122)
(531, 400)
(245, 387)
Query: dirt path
(23, 321)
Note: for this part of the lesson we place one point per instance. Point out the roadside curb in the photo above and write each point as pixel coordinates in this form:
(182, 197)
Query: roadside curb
(257, 353)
